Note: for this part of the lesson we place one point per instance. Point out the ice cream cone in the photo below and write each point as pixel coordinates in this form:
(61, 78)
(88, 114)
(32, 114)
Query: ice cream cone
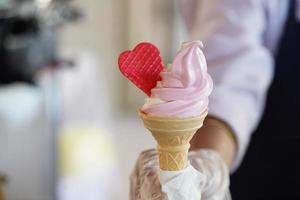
(173, 137)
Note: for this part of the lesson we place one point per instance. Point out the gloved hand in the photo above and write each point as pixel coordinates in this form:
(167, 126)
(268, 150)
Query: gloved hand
(145, 185)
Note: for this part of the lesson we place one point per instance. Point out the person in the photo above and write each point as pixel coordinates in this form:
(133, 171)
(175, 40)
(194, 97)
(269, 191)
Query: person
(2, 180)
(251, 48)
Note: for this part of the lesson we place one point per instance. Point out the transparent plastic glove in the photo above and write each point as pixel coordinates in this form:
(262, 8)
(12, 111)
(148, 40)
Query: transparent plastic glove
(145, 184)
(211, 164)
(144, 181)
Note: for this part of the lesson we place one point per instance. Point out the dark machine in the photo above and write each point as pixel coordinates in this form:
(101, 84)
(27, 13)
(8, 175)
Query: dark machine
(28, 36)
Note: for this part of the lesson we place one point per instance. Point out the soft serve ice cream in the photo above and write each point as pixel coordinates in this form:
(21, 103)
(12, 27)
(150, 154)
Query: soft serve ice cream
(174, 111)
(185, 85)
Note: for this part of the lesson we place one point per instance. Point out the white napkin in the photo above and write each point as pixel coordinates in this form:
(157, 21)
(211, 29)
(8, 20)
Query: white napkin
(185, 184)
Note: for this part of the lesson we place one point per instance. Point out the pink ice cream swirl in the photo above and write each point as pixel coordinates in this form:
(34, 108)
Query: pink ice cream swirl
(185, 85)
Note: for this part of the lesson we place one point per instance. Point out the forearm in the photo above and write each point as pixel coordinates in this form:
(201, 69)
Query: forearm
(216, 135)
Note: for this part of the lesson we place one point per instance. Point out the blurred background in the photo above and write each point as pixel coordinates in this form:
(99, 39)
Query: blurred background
(69, 127)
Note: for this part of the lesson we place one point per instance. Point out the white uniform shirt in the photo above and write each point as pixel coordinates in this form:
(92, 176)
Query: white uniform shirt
(240, 41)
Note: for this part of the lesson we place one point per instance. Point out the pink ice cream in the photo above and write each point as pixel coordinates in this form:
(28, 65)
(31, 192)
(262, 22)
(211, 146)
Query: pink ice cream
(185, 85)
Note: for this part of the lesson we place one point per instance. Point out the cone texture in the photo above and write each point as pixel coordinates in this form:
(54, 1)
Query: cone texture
(173, 136)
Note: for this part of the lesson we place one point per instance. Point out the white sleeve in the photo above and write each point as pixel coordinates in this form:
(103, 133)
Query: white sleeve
(240, 65)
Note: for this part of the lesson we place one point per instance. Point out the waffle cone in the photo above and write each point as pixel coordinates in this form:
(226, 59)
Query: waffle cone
(173, 136)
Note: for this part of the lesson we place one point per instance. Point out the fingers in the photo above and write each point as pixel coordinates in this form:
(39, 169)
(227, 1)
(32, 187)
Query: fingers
(148, 160)
(151, 187)
(148, 165)
(148, 155)
(135, 183)
(212, 165)
(144, 181)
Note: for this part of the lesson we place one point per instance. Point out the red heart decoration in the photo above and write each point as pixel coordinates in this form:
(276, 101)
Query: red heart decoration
(142, 66)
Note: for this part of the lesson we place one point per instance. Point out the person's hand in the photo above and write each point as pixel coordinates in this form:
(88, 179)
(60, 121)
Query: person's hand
(144, 181)
(210, 164)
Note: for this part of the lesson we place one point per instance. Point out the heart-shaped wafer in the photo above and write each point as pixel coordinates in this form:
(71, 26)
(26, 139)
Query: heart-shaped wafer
(142, 66)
